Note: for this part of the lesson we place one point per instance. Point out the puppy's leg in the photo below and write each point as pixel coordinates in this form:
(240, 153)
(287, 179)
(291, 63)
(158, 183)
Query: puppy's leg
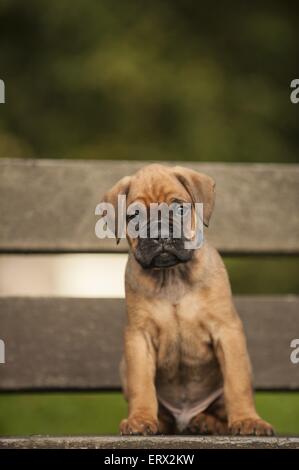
(218, 409)
(231, 350)
(167, 424)
(212, 421)
(140, 388)
(203, 423)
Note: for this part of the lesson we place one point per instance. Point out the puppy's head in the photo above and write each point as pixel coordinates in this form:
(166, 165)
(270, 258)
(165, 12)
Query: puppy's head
(176, 187)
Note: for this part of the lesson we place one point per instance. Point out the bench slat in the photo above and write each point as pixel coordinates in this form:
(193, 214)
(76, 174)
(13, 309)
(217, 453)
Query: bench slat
(67, 343)
(154, 442)
(49, 206)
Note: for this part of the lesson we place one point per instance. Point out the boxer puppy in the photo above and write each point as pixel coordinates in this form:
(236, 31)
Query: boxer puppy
(185, 368)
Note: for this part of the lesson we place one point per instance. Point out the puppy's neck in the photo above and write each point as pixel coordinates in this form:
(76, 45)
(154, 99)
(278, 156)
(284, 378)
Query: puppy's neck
(169, 283)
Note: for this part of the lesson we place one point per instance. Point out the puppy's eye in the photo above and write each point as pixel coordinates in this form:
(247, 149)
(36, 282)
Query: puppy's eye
(132, 216)
(182, 209)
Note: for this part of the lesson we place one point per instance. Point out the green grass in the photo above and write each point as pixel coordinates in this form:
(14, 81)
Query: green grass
(263, 275)
(281, 409)
(61, 413)
(100, 413)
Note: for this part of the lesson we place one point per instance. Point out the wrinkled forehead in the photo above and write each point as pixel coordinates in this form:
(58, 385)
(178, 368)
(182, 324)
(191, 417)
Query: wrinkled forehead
(156, 187)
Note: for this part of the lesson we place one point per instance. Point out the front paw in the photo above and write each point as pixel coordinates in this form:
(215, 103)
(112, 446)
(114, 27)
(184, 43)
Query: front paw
(251, 427)
(139, 424)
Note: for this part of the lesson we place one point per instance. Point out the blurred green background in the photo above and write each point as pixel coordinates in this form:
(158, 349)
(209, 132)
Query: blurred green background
(171, 80)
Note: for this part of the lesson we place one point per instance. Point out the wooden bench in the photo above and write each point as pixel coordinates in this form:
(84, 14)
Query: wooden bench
(75, 344)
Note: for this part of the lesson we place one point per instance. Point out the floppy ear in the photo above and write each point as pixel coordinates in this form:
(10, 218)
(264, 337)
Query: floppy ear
(122, 187)
(201, 188)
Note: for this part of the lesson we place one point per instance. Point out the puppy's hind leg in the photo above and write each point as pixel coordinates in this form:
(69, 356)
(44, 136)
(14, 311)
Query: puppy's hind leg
(204, 423)
(212, 421)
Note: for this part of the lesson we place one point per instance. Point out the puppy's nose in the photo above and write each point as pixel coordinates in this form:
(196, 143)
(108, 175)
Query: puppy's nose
(162, 239)
(162, 242)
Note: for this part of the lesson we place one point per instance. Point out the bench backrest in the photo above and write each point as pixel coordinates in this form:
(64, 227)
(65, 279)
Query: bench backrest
(66, 343)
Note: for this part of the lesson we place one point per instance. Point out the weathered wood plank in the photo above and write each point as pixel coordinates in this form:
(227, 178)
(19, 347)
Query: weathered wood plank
(49, 205)
(57, 343)
(155, 442)
(61, 343)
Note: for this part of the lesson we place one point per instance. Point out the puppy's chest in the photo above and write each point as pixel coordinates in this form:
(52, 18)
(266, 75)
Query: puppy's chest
(183, 340)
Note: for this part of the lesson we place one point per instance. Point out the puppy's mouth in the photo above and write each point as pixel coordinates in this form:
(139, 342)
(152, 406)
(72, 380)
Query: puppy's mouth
(160, 254)
(164, 260)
